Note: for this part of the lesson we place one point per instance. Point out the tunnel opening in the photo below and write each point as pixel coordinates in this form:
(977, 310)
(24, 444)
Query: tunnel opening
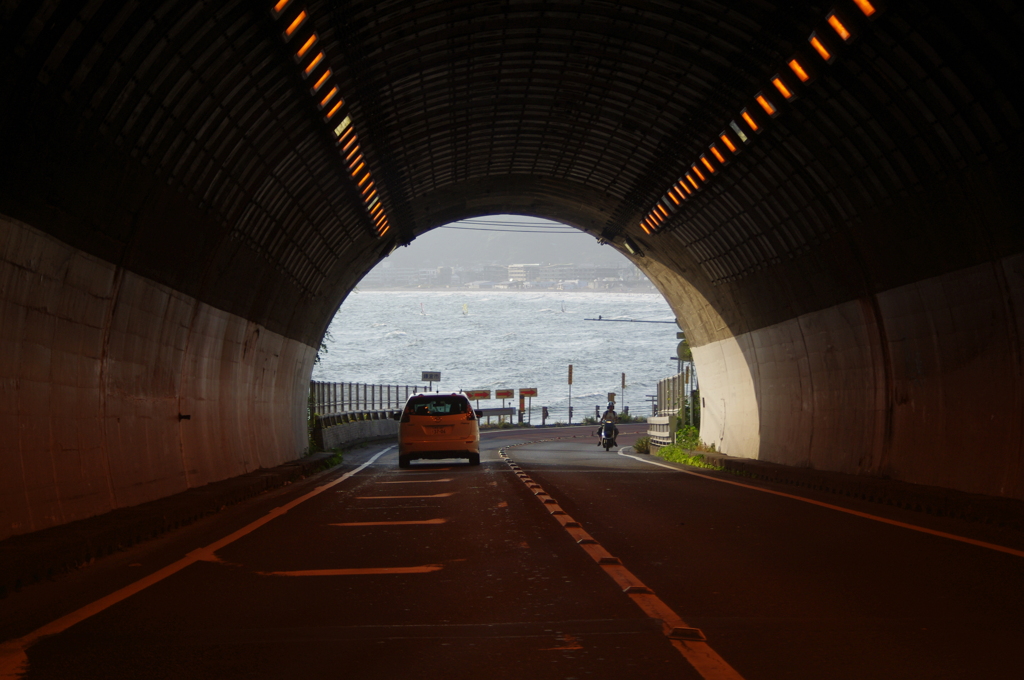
(179, 229)
(461, 301)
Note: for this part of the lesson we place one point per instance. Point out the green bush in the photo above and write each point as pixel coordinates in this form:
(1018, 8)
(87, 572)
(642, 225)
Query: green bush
(642, 445)
(676, 454)
(630, 418)
(688, 437)
(589, 420)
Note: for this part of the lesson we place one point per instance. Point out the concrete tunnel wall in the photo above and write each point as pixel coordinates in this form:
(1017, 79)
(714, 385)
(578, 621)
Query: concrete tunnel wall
(932, 395)
(97, 363)
(177, 227)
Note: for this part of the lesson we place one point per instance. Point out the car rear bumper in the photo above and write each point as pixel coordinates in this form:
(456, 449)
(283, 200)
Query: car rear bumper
(438, 449)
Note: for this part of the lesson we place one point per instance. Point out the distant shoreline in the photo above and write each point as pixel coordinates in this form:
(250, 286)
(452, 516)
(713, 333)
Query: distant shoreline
(628, 291)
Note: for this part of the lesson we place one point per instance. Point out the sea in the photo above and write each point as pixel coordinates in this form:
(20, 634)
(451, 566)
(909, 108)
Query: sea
(488, 340)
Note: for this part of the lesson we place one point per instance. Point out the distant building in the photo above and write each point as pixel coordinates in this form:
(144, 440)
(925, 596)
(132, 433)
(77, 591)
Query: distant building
(523, 272)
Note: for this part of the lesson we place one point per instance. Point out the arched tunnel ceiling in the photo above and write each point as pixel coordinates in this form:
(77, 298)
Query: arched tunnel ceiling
(181, 141)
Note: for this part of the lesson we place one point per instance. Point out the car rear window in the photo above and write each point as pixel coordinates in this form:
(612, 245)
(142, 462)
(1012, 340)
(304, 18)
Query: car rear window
(437, 406)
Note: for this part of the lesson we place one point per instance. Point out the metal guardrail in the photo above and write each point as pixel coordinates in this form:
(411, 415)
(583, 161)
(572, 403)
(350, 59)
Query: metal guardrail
(341, 398)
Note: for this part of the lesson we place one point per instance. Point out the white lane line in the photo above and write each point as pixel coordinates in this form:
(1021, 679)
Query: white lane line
(688, 641)
(418, 481)
(13, 657)
(370, 571)
(439, 520)
(378, 498)
(856, 513)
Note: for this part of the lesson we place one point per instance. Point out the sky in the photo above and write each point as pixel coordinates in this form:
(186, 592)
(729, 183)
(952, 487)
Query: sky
(504, 239)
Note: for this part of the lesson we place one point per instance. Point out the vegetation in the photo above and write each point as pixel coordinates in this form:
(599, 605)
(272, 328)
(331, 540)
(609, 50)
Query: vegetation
(320, 353)
(684, 451)
(676, 454)
(311, 417)
(642, 445)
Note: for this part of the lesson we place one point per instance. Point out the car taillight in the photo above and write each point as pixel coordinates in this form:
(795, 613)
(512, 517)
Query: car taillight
(405, 416)
(470, 415)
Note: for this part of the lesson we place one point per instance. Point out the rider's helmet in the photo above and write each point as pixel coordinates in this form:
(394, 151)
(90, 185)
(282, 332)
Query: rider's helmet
(611, 405)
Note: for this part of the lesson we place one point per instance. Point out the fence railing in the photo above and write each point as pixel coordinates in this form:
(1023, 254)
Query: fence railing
(675, 390)
(332, 398)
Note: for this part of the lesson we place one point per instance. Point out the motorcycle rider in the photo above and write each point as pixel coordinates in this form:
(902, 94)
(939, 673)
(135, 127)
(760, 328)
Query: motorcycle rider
(611, 417)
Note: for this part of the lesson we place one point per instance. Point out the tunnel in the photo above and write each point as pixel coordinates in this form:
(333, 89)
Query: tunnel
(827, 194)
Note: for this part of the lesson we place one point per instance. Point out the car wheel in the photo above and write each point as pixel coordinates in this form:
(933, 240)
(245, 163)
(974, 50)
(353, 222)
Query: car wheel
(404, 461)
(474, 459)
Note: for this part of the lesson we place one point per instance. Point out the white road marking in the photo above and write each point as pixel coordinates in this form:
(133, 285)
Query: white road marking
(439, 520)
(876, 518)
(370, 571)
(13, 656)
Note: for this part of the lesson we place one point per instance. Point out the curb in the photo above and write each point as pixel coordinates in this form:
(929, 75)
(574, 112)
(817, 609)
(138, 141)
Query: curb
(1000, 512)
(29, 558)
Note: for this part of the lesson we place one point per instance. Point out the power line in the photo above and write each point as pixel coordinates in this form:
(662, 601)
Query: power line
(517, 231)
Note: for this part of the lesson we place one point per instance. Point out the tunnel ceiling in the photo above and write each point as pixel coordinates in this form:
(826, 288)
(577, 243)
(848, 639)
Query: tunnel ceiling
(183, 141)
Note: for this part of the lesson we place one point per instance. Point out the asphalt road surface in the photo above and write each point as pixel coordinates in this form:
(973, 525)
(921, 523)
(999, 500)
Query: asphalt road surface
(553, 559)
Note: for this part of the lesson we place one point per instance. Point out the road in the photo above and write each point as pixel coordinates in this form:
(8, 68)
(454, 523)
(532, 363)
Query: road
(451, 571)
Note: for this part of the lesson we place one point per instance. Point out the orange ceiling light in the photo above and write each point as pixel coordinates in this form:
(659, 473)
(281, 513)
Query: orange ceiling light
(308, 71)
(745, 115)
(279, 7)
(797, 68)
(728, 142)
(706, 167)
(328, 97)
(866, 7)
(838, 27)
(306, 47)
(786, 93)
(768, 107)
(320, 81)
(334, 110)
(820, 48)
(294, 26)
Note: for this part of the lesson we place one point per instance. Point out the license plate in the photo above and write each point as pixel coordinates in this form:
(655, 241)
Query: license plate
(440, 429)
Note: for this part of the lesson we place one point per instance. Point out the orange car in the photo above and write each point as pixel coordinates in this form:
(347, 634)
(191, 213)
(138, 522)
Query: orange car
(434, 425)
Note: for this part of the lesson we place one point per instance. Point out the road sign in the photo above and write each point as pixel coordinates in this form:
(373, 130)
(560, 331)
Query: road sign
(611, 397)
(504, 394)
(478, 394)
(623, 381)
(527, 391)
(431, 376)
(570, 374)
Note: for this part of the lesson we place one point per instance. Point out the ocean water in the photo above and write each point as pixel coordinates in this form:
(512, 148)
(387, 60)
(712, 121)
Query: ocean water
(507, 339)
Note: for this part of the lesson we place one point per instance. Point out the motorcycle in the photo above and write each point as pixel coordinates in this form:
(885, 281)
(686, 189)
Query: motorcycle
(606, 432)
